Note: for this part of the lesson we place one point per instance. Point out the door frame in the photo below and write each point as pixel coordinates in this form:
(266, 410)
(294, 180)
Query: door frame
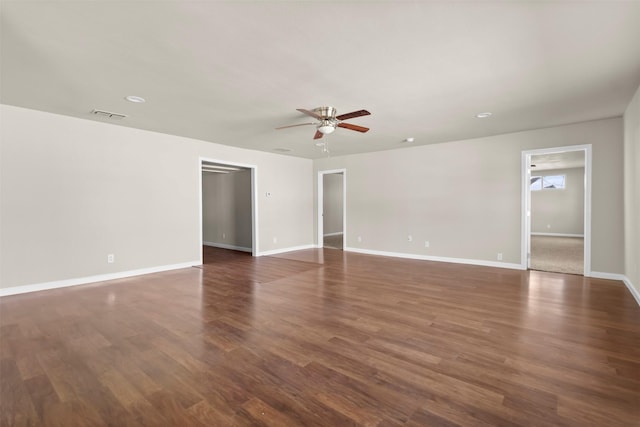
(254, 201)
(525, 254)
(320, 203)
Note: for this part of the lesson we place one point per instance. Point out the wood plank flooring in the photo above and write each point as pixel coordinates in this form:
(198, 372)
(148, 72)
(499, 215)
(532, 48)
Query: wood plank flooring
(323, 338)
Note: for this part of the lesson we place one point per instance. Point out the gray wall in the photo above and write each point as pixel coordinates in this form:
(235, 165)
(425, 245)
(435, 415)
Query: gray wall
(559, 211)
(226, 209)
(333, 203)
(632, 191)
(76, 190)
(464, 197)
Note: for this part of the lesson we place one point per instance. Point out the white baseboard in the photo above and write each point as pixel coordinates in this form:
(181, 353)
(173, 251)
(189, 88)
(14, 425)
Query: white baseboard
(338, 233)
(438, 259)
(609, 276)
(557, 234)
(283, 250)
(15, 290)
(224, 246)
(634, 291)
(621, 277)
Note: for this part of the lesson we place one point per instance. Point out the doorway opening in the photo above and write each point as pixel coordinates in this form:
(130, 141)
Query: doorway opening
(556, 222)
(228, 218)
(332, 208)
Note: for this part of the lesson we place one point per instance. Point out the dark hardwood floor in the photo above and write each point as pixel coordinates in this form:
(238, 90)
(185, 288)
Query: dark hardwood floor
(323, 338)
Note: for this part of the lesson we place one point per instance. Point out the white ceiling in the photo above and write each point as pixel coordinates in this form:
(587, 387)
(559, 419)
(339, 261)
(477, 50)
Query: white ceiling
(560, 160)
(230, 72)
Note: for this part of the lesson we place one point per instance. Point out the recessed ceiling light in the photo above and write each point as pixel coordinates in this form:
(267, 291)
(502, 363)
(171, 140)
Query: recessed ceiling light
(410, 139)
(136, 99)
(484, 115)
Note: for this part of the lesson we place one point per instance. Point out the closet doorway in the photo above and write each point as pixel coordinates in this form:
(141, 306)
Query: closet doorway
(227, 206)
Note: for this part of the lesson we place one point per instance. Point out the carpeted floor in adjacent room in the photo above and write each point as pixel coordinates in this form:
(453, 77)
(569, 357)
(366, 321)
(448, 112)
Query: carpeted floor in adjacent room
(557, 254)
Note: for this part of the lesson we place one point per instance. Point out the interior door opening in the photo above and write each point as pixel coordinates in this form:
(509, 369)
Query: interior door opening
(557, 210)
(332, 209)
(227, 207)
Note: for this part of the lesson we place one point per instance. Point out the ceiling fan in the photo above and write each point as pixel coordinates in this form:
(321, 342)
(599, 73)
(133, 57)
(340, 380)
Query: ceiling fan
(328, 121)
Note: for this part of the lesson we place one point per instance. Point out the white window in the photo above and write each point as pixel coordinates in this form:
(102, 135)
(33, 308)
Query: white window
(547, 182)
(536, 183)
(553, 181)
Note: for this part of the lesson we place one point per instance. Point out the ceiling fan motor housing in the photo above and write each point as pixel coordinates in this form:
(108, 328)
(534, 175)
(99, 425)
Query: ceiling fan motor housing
(328, 123)
(327, 113)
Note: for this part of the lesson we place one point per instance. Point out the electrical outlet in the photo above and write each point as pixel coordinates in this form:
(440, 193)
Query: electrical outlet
(548, 225)
(111, 258)
(410, 238)
(224, 235)
(359, 239)
(426, 243)
(499, 256)
(275, 240)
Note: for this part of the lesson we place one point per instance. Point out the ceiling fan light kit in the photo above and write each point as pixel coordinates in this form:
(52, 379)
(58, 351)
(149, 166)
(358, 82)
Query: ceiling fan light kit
(326, 127)
(328, 121)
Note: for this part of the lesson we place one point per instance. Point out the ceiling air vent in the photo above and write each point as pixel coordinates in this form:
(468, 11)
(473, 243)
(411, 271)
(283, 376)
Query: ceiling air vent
(108, 114)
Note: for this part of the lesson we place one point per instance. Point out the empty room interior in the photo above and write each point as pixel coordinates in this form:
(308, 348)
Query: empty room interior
(312, 213)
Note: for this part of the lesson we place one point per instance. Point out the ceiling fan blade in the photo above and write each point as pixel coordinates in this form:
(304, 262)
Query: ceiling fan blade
(353, 127)
(309, 113)
(353, 114)
(292, 126)
(318, 135)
